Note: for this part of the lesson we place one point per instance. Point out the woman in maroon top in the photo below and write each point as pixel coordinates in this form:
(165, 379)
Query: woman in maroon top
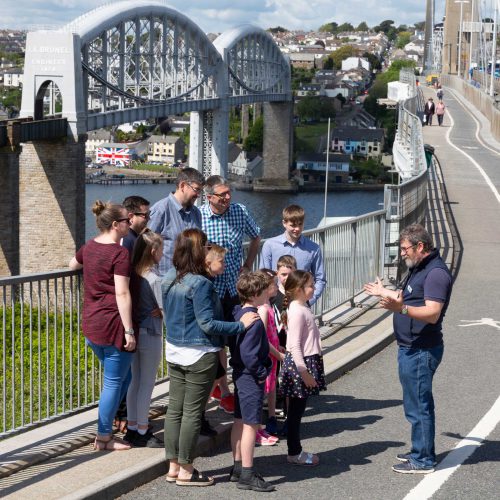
(107, 312)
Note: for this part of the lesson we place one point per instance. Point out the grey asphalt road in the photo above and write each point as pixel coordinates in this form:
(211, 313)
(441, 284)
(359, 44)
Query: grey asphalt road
(357, 426)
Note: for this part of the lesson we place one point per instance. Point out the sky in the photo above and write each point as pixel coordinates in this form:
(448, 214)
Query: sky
(219, 15)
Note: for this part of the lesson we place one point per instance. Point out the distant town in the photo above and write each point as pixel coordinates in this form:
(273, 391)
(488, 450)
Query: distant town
(339, 72)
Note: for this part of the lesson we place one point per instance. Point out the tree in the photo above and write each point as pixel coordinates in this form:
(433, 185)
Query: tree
(420, 26)
(329, 27)
(373, 60)
(362, 27)
(342, 53)
(345, 27)
(278, 29)
(385, 26)
(254, 142)
(315, 108)
(301, 75)
(403, 39)
(402, 27)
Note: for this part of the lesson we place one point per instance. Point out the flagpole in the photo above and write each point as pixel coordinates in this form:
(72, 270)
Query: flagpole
(327, 169)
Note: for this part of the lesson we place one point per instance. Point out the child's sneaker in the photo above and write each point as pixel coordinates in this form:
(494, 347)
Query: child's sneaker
(264, 439)
(272, 426)
(227, 404)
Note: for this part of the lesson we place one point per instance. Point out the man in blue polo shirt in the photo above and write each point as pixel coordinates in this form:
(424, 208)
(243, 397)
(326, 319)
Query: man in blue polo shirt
(419, 308)
(293, 242)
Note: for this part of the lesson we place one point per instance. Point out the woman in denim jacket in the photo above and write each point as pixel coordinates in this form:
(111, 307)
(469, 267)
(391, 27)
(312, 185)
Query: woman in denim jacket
(194, 337)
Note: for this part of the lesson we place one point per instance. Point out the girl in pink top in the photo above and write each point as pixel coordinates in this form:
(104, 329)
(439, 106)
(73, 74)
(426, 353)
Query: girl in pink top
(303, 371)
(266, 314)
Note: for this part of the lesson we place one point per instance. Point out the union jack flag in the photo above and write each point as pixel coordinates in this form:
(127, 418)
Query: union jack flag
(118, 156)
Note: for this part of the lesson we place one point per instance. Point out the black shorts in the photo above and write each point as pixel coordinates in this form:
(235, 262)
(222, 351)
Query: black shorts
(248, 398)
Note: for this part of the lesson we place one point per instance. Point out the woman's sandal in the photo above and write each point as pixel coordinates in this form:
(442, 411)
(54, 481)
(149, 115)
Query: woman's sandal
(196, 479)
(303, 458)
(113, 444)
(171, 479)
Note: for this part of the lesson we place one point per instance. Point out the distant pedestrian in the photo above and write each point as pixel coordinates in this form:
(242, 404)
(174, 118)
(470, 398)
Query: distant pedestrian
(177, 212)
(439, 93)
(429, 111)
(419, 308)
(440, 109)
(303, 370)
(148, 315)
(107, 313)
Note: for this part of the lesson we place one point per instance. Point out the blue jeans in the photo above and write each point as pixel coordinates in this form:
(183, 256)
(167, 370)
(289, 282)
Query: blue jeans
(416, 371)
(116, 367)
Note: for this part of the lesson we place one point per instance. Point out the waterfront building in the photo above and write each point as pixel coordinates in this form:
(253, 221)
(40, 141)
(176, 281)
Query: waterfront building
(367, 142)
(96, 138)
(311, 168)
(166, 148)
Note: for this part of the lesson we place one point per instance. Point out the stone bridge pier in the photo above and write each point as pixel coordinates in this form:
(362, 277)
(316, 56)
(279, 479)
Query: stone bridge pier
(42, 205)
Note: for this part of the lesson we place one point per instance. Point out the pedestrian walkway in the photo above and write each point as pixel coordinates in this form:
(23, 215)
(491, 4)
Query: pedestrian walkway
(56, 461)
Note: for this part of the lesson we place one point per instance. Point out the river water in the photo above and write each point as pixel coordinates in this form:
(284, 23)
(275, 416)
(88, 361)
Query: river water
(265, 207)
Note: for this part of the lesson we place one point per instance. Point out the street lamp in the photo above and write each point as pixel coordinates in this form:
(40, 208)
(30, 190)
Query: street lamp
(461, 2)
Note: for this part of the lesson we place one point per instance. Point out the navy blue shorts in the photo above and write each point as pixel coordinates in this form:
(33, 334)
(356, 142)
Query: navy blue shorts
(248, 398)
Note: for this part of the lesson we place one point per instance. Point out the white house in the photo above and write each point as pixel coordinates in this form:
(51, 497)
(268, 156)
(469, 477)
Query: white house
(13, 77)
(354, 63)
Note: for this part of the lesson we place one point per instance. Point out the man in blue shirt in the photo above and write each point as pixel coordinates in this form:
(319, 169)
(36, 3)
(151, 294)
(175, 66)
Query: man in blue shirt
(177, 212)
(292, 242)
(226, 224)
(419, 308)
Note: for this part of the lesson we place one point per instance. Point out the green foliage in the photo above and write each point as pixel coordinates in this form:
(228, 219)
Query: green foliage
(329, 27)
(50, 352)
(420, 26)
(148, 167)
(369, 169)
(403, 39)
(373, 60)
(345, 27)
(301, 75)
(235, 125)
(362, 27)
(11, 97)
(278, 29)
(254, 142)
(337, 56)
(315, 108)
(308, 136)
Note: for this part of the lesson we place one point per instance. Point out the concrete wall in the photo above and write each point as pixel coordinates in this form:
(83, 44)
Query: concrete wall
(9, 212)
(51, 203)
(478, 98)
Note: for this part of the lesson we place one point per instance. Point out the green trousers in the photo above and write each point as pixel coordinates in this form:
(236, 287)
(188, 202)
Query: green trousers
(189, 391)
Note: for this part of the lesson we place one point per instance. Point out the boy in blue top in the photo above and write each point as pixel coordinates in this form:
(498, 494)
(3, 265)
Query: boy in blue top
(251, 365)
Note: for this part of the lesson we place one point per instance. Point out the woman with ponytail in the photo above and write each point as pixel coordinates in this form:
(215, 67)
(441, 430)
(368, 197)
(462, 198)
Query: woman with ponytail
(107, 313)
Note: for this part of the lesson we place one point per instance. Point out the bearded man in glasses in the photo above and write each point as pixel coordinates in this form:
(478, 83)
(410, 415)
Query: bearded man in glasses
(419, 308)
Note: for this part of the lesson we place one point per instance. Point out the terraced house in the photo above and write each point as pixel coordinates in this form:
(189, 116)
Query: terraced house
(368, 142)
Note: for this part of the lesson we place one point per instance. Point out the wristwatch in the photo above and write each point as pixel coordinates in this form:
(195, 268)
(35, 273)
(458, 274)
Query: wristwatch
(404, 310)
(130, 331)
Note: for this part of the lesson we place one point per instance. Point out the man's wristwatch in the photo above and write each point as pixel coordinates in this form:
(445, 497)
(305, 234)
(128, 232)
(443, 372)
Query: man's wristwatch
(130, 331)
(404, 310)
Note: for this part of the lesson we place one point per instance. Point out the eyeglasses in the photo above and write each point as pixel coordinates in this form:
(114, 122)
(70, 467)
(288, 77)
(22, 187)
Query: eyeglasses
(405, 249)
(146, 215)
(196, 190)
(222, 196)
(125, 219)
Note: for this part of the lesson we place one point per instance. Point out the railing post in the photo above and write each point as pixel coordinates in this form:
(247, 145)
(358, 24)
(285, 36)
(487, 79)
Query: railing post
(354, 242)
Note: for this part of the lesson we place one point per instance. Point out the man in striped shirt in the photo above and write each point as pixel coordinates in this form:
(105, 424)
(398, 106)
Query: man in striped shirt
(177, 212)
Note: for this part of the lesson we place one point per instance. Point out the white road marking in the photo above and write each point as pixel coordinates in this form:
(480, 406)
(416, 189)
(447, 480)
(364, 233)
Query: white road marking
(483, 321)
(431, 483)
(474, 162)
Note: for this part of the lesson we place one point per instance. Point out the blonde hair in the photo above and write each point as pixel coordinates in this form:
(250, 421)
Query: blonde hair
(288, 261)
(215, 252)
(105, 214)
(142, 256)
